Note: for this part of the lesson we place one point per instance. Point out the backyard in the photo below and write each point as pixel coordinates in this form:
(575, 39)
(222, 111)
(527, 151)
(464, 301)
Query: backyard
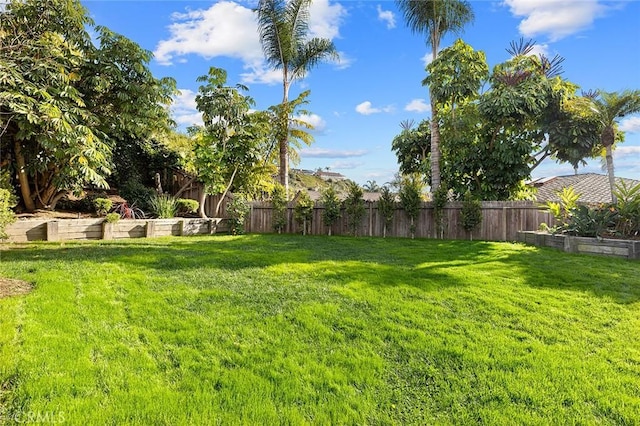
(285, 329)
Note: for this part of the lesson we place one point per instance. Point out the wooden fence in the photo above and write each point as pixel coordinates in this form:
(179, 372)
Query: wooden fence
(500, 221)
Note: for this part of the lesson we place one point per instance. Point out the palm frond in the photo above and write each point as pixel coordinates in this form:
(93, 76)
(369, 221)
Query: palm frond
(310, 54)
(436, 17)
(272, 32)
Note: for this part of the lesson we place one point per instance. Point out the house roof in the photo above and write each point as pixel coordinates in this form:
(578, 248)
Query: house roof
(592, 187)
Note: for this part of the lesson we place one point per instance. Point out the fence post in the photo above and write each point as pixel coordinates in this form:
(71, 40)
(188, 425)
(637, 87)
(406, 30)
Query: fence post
(150, 229)
(52, 231)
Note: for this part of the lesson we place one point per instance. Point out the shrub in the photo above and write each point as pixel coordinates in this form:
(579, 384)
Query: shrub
(279, 203)
(238, 208)
(471, 213)
(590, 222)
(7, 216)
(136, 193)
(628, 208)
(127, 211)
(163, 206)
(303, 211)
(187, 206)
(386, 208)
(331, 212)
(561, 211)
(112, 217)
(354, 207)
(410, 199)
(440, 198)
(102, 205)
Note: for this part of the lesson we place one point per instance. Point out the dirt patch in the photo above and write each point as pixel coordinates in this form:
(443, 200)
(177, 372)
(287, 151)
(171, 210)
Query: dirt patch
(10, 287)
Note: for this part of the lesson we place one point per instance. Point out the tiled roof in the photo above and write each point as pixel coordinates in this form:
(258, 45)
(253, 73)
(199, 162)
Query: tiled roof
(593, 187)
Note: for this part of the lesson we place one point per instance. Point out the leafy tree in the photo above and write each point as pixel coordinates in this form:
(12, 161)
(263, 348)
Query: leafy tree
(303, 211)
(611, 106)
(439, 200)
(283, 27)
(332, 205)
(238, 209)
(354, 207)
(410, 200)
(412, 148)
(229, 151)
(65, 104)
(279, 203)
(386, 208)
(435, 18)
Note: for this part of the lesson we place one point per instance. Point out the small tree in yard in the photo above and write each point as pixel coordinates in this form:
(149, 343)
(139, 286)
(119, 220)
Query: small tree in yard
(386, 208)
(332, 206)
(303, 211)
(439, 198)
(279, 203)
(410, 199)
(471, 213)
(354, 207)
(238, 208)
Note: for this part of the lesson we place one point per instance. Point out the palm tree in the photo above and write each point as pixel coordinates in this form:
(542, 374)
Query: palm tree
(283, 27)
(435, 18)
(610, 106)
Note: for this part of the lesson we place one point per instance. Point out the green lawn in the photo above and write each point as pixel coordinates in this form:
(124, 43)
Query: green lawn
(276, 329)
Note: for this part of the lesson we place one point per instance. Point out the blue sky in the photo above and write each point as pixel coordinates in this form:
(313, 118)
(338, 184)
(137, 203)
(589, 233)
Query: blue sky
(357, 104)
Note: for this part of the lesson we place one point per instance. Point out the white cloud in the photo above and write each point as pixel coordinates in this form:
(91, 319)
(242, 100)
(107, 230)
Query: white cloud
(325, 19)
(554, 18)
(330, 153)
(418, 105)
(261, 74)
(184, 109)
(624, 151)
(427, 59)
(540, 49)
(225, 29)
(318, 123)
(344, 61)
(631, 125)
(346, 165)
(386, 16)
(366, 108)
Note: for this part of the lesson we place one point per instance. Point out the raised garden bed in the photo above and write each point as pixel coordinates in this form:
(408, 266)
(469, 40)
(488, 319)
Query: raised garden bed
(629, 249)
(96, 229)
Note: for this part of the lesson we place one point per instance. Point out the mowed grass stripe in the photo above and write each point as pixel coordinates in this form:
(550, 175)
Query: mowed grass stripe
(284, 329)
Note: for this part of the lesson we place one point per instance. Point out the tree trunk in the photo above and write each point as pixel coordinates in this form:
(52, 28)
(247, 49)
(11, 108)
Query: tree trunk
(203, 199)
(23, 179)
(610, 172)
(607, 138)
(184, 187)
(226, 190)
(284, 138)
(435, 128)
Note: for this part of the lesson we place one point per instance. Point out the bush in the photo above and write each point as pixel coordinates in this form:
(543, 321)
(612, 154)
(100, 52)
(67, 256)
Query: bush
(471, 213)
(102, 206)
(112, 217)
(279, 203)
(7, 216)
(128, 211)
(136, 193)
(238, 208)
(590, 222)
(187, 206)
(628, 208)
(354, 207)
(163, 206)
(410, 199)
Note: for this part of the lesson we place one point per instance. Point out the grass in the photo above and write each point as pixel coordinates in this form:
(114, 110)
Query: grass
(278, 329)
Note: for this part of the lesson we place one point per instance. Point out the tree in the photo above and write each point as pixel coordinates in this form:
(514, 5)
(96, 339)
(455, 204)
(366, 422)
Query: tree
(371, 186)
(331, 203)
(410, 199)
(412, 148)
(386, 208)
(65, 104)
(283, 28)
(229, 149)
(354, 207)
(435, 18)
(610, 106)
(279, 207)
(303, 211)
(471, 213)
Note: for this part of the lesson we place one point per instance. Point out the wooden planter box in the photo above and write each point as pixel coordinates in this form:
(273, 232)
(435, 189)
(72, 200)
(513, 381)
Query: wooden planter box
(98, 228)
(629, 249)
